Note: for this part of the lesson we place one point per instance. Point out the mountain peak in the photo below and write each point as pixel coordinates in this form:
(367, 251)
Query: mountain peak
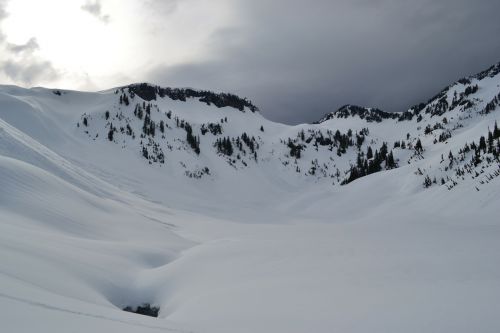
(461, 91)
(368, 114)
(490, 72)
(149, 92)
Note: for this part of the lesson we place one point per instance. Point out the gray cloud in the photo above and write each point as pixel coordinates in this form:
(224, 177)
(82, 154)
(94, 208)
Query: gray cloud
(162, 7)
(298, 60)
(29, 72)
(30, 46)
(23, 66)
(20, 62)
(95, 8)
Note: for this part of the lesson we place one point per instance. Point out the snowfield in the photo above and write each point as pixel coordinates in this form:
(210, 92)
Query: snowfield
(265, 242)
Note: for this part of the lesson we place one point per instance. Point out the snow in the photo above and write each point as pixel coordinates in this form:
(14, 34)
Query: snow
(88, 226)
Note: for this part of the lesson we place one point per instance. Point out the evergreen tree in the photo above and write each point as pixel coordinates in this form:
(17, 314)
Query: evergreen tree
(482, 144)
(145, 125)
(152, 128)
(389, 162)
(110, 133)
(490, 142)
(427, 181)
(129, 130)
(418, 146)
(191, 139)
(383, 151)
(228, 147)
(369, 153)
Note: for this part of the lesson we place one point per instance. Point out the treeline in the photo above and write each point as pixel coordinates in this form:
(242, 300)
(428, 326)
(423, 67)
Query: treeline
(228, 146)
(487, 145)
(371, 162)
(341, 141)
(149, 92)
(492, 105)
(370, 115)
(213, 128)
(486, 150)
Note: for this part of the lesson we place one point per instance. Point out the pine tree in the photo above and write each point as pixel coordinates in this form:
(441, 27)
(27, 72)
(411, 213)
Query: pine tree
(490, 142)
(302, 135)
(229, 147)
(110, 133)
(145, 125)
(354, 174)
(427, 181)
(496, 131)
(418, 146)
(383, 151)
(152, 128)
(482, 144)
(369, 153)
(129, 130)
(389, 162)
(191, 139)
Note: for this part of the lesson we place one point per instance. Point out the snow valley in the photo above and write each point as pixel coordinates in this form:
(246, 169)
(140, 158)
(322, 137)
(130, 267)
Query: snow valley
(190, 206)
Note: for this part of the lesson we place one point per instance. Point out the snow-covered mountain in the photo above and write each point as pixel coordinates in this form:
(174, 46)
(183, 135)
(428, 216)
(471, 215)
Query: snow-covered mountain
(169, 126)
(192, 201)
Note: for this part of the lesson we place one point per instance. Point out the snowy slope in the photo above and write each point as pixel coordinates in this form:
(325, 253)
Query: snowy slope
(194, 202)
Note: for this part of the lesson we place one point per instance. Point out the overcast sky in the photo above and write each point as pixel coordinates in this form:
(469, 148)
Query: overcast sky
(295, 59)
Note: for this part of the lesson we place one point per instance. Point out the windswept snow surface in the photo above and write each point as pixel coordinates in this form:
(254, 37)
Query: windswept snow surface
(88, 226)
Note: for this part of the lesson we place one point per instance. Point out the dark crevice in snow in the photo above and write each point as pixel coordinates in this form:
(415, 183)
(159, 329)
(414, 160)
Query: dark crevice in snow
(145, 309)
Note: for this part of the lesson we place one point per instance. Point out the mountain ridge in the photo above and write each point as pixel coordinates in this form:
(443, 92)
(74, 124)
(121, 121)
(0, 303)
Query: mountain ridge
(341, 147)
(375, 114)
(196, 133)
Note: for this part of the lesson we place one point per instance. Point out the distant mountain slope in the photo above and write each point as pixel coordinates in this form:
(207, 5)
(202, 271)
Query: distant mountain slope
(165, 126)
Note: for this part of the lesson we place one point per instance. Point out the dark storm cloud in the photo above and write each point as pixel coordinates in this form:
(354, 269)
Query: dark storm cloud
(300, 59)
(95, 8)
